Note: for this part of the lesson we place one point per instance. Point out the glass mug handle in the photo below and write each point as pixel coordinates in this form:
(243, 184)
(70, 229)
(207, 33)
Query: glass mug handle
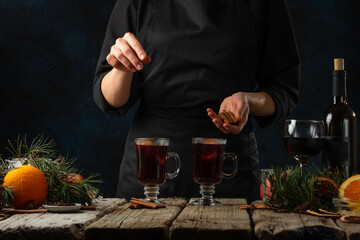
(177, 162)
(235, 161)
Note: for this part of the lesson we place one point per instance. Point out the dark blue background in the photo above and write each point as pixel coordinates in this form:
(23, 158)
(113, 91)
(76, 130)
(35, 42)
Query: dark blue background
(48, 54)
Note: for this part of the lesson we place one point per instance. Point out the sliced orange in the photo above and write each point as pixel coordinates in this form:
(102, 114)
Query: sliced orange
(350, 188)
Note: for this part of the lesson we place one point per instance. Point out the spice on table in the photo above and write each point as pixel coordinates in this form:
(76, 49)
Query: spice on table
(323, 214)
(303, 207)
(26, 211)
(350, 219)
(245, 207)
(259, 206)
(90, 207)
(142, 203)
(327, 211)
(134, 206)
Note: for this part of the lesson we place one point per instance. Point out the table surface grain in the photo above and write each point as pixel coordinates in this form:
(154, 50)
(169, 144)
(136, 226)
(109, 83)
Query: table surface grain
(112, 219)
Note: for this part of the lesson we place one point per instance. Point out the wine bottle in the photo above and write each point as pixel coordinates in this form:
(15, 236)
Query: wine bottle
(340, 127)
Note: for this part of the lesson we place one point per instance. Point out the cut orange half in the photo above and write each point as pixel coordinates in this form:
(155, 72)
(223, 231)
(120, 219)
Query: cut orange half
(350, 188)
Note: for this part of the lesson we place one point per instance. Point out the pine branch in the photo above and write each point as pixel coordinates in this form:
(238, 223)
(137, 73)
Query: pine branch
(41, 146)
(6, 197)
(57, 169)
(290, 190)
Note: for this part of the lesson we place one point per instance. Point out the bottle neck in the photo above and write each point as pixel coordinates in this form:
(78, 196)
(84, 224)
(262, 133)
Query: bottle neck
(339, 86)
(339, 99)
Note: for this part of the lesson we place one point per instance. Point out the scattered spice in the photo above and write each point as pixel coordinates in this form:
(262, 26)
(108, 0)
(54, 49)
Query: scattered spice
(59, 203)
(136, 203)
(303, 207)
(350, 219)
(323, 214)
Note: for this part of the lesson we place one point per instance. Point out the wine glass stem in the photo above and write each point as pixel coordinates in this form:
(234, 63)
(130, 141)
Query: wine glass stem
(207, 192)
(151, 193)
(302, 168)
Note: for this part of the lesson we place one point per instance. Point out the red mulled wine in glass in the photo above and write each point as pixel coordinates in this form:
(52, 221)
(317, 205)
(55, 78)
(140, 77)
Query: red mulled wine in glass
(152, 155)
(209, 154)
(303, 140)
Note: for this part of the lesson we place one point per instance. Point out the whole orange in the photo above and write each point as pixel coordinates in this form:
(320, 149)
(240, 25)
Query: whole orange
(27, 184)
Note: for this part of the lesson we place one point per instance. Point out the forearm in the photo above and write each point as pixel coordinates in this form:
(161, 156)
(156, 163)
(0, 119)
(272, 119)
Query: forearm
(115, 87)
(261, 104)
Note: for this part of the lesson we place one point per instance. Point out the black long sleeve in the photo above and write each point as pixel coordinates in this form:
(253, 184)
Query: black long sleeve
(279, 65)
(277, 71)
(122, 20)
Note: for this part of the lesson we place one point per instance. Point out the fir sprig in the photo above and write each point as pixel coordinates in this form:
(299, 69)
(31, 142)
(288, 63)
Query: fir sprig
(40, 147)
(290, 190)
(57, 169)
(6, 197)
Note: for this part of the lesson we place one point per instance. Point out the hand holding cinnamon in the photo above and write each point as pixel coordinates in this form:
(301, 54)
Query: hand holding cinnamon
(235, 110)
(228, 117)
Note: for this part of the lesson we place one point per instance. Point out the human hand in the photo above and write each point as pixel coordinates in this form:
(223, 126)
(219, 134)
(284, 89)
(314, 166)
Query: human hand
(238, 104)
(127, 54)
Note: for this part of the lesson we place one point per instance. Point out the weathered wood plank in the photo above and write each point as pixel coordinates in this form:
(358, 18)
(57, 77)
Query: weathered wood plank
(125, 223)
(226, 221)
(352, 230)
(272, 225)
(321, 228)
(52, 226)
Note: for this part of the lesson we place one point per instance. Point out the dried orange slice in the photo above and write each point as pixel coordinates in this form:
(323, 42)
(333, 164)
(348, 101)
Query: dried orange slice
(350, 188)
(325, 187)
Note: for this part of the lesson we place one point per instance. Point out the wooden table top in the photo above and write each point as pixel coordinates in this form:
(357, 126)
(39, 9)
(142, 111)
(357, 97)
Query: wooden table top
(179, 220)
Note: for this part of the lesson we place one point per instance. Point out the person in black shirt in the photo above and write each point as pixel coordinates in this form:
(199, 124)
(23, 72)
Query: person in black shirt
(186, 60)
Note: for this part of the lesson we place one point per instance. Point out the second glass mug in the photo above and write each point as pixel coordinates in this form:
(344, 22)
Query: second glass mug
(152, 155)
(209, 155)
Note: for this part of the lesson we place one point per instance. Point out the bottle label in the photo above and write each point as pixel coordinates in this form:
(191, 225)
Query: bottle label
(336, 153)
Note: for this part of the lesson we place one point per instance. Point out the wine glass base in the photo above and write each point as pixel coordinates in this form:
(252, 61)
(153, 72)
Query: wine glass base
(151, 193)
(154, 200)
(206, 202)
(207, 192)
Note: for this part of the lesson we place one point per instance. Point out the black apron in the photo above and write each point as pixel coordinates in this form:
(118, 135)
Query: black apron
(202, 52)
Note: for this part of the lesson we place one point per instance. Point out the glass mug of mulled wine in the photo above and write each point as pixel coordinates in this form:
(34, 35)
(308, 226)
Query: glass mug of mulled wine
(209, 155)
(152, 155)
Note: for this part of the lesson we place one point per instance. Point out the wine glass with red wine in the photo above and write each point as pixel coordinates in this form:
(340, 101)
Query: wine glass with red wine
(209, 155)
(152, 155)
(303, 139)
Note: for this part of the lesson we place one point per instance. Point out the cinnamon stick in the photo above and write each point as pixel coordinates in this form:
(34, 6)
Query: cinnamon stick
(244, 207)
(350, 219)
(26, 211)
(90, 207)
(231, 117)
(146, 203)
(259, 206)
(224, 117)
(228, 117)
(327, 212)
(323, 214)
(134, 206)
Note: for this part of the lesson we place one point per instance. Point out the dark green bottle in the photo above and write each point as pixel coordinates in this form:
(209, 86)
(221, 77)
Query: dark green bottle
(340, 127)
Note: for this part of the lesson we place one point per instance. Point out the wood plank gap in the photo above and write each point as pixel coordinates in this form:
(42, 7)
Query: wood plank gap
(171, 222)
(226, 221)
(134, 223)
(252, 225)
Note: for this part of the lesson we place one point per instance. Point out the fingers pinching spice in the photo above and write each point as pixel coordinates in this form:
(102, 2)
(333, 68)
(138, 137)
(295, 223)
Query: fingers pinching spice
(228, 117)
